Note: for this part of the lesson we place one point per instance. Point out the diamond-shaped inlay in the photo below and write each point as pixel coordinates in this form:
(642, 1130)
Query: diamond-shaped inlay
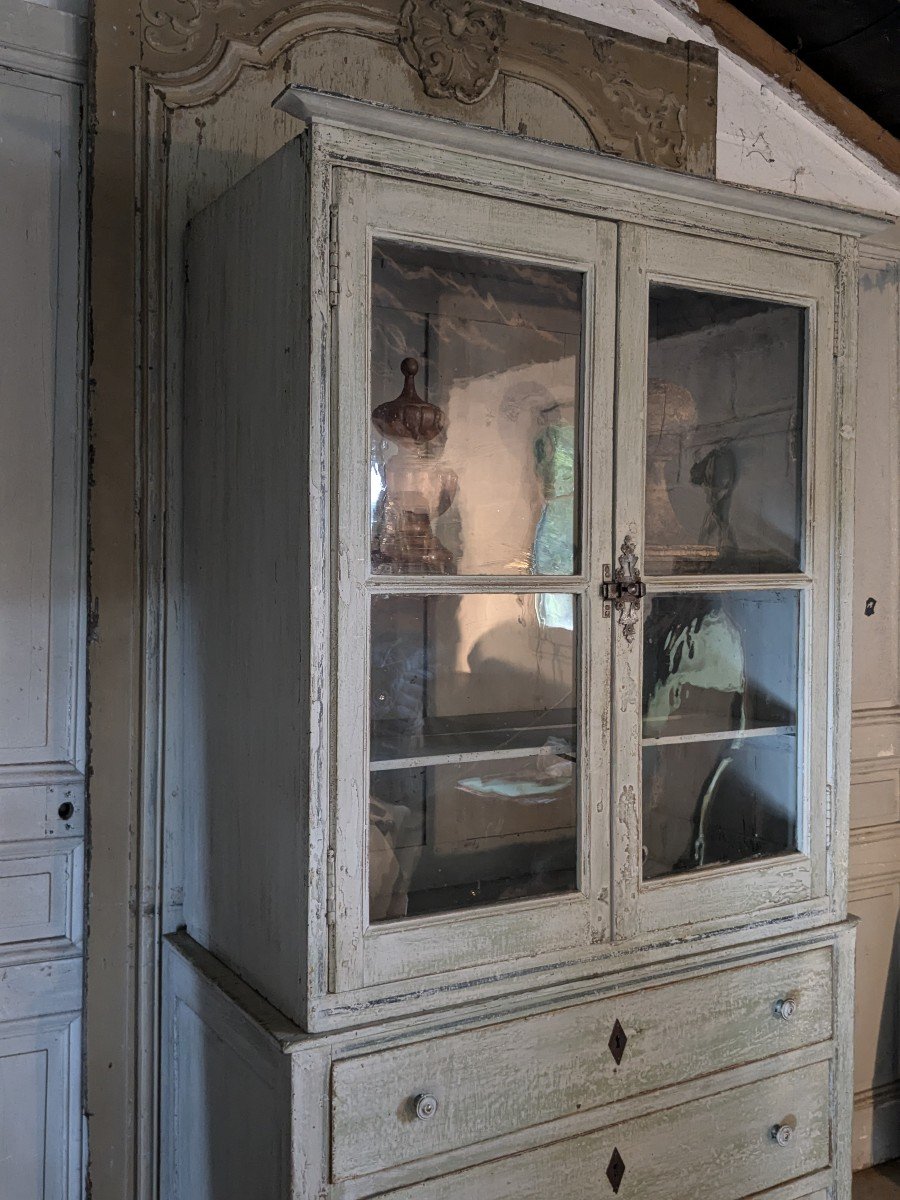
(615, 1172)
(618, 1040)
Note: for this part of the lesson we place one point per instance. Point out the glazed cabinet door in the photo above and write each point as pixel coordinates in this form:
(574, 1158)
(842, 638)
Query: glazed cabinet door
(473, 384)
(725, 433)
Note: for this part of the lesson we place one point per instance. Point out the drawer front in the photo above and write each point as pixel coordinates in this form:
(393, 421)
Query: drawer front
(719, 1148)
(489, 1082)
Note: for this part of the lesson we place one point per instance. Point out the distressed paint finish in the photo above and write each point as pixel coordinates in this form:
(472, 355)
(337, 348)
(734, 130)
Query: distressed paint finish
(730, 1143)
(246, 665)
(185, 156)
(521, 1106)
(42, 633)
(368, 966)
(365, 957)
(634, 97)
(811, 284)
(248, 1025)
(874, 868)
(560, 1061)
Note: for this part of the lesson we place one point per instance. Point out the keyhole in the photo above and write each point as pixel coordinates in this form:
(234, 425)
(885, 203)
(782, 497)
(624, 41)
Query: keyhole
(870, 606)
(65, 810)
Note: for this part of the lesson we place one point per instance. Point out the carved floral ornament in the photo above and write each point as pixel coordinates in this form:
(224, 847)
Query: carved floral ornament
(454, 45)
(656, 119)
(639, 99)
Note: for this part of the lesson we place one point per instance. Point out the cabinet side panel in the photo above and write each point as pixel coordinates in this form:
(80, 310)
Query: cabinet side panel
(246, 610)
(226, 1098)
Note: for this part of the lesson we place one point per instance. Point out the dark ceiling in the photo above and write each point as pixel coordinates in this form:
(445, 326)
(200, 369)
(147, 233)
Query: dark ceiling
(853, 44)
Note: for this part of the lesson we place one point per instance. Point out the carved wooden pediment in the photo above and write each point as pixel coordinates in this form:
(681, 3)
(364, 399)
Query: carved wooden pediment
(511, 66)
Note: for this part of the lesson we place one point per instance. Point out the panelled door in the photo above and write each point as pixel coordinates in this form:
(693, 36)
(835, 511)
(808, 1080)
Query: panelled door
(722, 747)
(475, 361)
(42, 750)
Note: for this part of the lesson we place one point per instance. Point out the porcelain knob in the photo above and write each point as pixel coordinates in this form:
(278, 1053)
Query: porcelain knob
(785, 1009)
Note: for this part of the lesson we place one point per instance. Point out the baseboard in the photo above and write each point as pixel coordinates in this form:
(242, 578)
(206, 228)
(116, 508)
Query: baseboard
(876, 1126)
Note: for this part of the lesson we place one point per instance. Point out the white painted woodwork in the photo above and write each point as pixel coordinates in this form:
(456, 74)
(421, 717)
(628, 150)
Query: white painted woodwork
(711, 895)
(275, 463)
(560, 1062)
(365, 955)
(236, 1146)
(42, 632)
(184, 147)
(220, 374)
(37, 888)
(39, 1103)
(712, 1148)
(40, 377)
(246, 1025)
(247, 659)
(875, 791)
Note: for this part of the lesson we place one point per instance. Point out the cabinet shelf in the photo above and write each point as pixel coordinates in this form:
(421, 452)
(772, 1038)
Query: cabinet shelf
(510, 736)
(454, 757)
(721, 735)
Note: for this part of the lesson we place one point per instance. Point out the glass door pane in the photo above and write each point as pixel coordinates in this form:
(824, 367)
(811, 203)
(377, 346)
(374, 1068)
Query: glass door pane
(724, 496)
(476, 436)
(473, 750)
(720, 728)
(725, 430)
(476, 422)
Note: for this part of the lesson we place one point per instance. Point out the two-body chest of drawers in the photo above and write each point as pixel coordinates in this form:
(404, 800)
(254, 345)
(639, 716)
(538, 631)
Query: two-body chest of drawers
(515, 690)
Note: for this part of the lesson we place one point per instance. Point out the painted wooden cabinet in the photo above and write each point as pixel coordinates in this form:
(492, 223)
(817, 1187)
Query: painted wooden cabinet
(515, 678)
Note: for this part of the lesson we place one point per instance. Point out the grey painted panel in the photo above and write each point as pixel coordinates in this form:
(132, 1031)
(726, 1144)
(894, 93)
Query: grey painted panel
(40, 418)
(42, 584)
(226, 1099)
(39, 1117)
(246, 546)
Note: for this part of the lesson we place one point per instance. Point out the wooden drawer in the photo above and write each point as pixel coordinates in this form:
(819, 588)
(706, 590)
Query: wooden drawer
(489, 1082)
(719, 1148)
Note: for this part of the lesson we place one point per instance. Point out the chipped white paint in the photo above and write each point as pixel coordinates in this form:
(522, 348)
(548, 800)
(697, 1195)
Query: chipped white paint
(766, 138)
(875, 792)
(538, 988)
(42, 572)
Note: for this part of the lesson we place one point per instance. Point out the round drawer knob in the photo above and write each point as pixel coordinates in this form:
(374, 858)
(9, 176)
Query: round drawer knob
(785, 1009)
(426, 1106)
(783, 1134)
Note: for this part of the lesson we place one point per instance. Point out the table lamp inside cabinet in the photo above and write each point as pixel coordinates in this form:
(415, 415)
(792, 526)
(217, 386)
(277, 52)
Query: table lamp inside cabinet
(515, 679)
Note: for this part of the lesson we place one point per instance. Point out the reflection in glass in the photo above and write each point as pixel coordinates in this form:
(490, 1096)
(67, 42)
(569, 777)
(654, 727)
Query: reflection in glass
(476, 421)
(720, 728)
(473, 751)
(725, 412)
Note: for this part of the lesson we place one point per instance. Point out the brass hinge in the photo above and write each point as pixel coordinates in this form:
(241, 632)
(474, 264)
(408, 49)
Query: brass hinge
(334, 285)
